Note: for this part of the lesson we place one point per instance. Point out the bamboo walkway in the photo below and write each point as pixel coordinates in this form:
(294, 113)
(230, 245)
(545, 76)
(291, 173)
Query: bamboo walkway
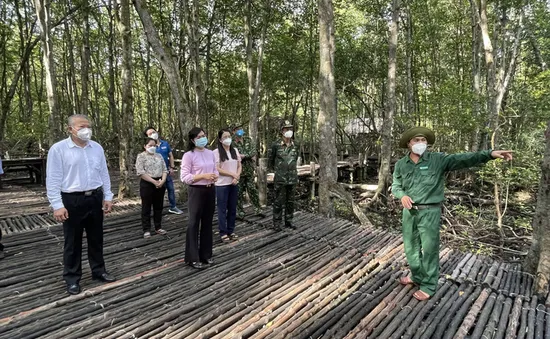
(327, 279)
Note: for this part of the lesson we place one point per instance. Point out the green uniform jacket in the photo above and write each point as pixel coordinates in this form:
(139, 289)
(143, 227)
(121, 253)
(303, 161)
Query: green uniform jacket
(247, 148)
(283, 159)
(423, 182)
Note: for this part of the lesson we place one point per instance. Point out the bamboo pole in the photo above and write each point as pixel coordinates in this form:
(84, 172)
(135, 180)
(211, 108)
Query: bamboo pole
(513, 324)
(470, 319)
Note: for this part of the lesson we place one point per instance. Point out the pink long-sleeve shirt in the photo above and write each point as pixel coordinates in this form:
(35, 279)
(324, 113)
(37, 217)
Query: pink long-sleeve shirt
(197, 162)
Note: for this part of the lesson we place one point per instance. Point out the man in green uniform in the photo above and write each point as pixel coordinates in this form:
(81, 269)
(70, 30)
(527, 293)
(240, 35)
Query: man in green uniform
(418, 183)
(248, 152)
(283, 156)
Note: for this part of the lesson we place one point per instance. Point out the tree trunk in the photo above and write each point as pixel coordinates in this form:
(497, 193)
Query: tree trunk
(70, 72)
(24, 34)
(538, 259)
(476, 82)
(254, 80)
(490, 65)
(536, 50)
(192, 27)
(327, 118)
(85, 60)
(168, 64)
(208, 59)
(496, 87)
(248, 40)
(411, 106)
(387, 125)
(126, 119)
(255, 112)
(6, 102)
(113, 111)
(43, 13)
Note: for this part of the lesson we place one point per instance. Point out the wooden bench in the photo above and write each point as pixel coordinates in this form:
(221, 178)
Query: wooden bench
(36, 167)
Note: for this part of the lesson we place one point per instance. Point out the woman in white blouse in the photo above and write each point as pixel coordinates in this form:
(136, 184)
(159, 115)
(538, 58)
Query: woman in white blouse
(228, 163)
(151, 168)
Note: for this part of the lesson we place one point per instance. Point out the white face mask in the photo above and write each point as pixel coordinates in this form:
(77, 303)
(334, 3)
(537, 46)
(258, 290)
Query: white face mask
(419, 148)
(84, 134)
(227, 142)
(154, 136)
(288, 134)
(151, 149)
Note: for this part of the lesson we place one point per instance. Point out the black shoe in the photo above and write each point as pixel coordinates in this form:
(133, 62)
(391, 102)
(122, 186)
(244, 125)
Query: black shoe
(105, 277)
(2, 255)
(73, 289)
(207, 262)
(197, 265)
(277, 226)
(290, 225)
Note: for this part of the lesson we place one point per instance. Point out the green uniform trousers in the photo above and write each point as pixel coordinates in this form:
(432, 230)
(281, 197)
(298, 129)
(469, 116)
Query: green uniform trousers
(284, 200)
(247, 185)
(421, 241)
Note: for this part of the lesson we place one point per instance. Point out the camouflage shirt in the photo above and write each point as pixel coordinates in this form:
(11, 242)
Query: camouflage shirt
(283, 159)
(247, 148)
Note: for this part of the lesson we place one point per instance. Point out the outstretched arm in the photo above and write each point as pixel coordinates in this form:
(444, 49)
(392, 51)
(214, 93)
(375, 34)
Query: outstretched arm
(458, 161)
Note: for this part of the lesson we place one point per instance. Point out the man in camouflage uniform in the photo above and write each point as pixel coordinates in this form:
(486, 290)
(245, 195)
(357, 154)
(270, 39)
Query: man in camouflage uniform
(283, 157)
(247, 150)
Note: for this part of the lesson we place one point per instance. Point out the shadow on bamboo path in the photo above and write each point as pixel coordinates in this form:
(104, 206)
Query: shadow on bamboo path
(329, 278)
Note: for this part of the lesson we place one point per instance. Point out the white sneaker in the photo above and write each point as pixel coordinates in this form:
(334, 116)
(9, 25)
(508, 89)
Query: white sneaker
(146, 235)
(175, 210)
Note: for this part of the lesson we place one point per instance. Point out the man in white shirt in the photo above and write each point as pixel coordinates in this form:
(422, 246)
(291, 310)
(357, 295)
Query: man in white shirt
(79, 191)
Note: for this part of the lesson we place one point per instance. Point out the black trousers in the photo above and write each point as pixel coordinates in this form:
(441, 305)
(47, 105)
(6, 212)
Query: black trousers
(151, 195)
(201, 205)
(1, 246)
(85, 212)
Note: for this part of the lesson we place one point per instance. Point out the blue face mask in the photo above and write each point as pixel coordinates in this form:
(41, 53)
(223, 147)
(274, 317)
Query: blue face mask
(201, 142)
(240, 133)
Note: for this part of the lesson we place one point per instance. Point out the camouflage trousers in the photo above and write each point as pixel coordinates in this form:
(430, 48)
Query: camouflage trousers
(247, 184)
(284, 200)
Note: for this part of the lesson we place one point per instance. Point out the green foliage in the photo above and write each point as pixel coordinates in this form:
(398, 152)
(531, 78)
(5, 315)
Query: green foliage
(524, 171)
(461, 211)
(434, 65)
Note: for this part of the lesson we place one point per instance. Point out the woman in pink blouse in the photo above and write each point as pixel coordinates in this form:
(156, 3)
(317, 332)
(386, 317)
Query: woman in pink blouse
(198, 170)
(228, 162)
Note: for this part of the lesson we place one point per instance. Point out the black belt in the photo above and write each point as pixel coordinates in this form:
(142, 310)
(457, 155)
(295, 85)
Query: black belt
(86, 193)
(425, 206)
(202, 186)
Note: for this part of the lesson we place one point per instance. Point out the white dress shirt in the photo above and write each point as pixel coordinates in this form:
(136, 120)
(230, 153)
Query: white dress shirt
(71, 168)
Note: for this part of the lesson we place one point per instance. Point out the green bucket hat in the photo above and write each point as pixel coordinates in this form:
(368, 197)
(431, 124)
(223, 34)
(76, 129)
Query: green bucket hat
(415, 132)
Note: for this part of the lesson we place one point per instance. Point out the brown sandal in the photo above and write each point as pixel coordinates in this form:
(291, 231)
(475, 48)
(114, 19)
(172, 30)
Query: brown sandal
(421, 295)
(406, 280)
